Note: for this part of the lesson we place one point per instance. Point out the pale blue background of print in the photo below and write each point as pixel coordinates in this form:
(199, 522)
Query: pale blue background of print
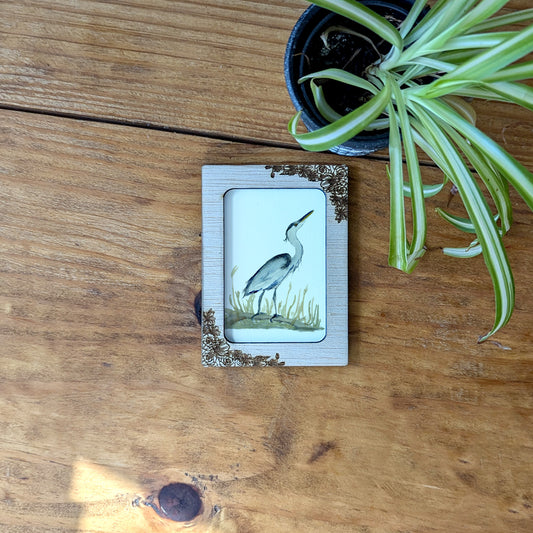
(255, 221)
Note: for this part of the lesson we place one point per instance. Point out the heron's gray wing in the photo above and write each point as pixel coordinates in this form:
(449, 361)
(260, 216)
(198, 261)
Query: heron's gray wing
(269, 275)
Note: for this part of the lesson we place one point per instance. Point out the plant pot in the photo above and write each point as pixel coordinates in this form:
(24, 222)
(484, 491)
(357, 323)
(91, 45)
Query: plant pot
(303, 56)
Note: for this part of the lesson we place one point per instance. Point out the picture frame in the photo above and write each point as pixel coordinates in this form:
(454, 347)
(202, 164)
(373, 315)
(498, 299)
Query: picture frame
(274, 265)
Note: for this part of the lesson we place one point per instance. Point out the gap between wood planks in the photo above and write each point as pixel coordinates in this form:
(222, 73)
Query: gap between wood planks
(170, 129)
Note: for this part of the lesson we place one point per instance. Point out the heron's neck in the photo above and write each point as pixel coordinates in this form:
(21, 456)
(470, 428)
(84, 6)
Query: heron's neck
(299, 249)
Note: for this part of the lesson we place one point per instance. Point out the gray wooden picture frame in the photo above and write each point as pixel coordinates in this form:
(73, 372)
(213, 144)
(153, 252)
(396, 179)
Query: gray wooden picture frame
(217, 350)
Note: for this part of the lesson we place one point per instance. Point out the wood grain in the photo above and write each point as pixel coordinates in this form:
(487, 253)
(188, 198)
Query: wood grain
(103, 398)
(214, 68)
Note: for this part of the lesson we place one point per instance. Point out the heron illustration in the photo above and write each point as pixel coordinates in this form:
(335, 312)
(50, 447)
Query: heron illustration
(276, 269)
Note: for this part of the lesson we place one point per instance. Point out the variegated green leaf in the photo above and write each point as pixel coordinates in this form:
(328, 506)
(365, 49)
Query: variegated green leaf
(364, 15)
(479, 213)
(342, 129)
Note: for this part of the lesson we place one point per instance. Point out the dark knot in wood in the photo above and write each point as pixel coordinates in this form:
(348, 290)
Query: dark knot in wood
(198, 307)
(179, 502)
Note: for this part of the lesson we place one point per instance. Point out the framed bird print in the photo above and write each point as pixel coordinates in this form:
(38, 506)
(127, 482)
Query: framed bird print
(274, 265)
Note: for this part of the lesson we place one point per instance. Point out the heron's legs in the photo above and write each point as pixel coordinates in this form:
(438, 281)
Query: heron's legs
(259, 305)
(275, 306)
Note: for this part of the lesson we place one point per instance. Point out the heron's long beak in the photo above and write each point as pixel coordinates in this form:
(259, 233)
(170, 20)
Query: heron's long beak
(304, 217)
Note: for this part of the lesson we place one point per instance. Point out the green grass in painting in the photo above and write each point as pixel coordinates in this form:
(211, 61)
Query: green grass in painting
(296, 310)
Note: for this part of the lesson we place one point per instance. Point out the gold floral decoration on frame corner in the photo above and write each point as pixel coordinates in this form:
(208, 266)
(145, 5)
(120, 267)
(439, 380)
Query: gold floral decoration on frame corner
(332, 178)
(216, 350)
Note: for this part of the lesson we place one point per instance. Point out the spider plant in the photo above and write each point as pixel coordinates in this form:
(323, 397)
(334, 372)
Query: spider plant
(456, 50)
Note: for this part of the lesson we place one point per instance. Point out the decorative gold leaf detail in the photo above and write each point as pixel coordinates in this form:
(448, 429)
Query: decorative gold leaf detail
(216, 350)
(332, 178)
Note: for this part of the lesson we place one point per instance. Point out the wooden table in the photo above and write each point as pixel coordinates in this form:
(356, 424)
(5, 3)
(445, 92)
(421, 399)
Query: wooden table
(108, 110)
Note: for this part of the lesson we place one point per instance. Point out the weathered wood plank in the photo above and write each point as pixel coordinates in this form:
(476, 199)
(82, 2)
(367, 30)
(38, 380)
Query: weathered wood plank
(207, 67)
(103, 398)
